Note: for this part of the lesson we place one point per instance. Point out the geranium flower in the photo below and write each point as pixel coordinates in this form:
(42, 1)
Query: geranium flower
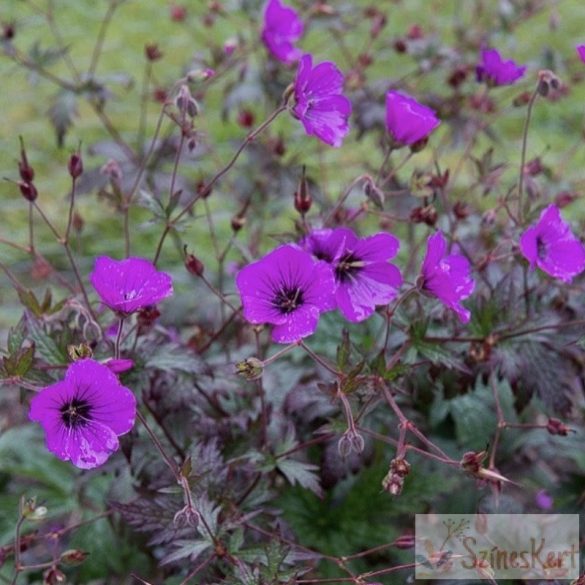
(319, 103)
(552, 246)
(495, 71)
(407, 120)
(288, 289)
(447, 277)
(129, 285)
(363, 276)
(84, 414)
(282, 28)
(581, 52)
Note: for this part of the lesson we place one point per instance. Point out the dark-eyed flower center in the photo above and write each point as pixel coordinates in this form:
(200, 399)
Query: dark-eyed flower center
(540, 248)
(347, 267)
(75, 413)
(288, 299)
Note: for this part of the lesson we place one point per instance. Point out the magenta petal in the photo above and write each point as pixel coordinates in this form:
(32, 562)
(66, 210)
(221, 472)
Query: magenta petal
(377, 284)
(282, 28)
(407, 120)
(496, 70)
(319, 103)
(551, 245)
(294, 328)
(581, 52)
(377, 248)
(131, 284)
(91, 446)
(286, 288)
(447, 277)
(83, 414)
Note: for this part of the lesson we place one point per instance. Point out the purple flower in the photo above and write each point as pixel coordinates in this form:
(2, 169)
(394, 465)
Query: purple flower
(84, 414)
(288, 289)
(544, 500)
(129, 285)
(552, 246)
(581, 52)
(282, 28)
(447, 277)
(495, 71)
(407, 120)
(363, 276)
(319, 103)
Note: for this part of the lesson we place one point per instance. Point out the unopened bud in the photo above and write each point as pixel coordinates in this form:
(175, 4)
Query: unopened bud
(393, 484)
(555, 427)
(521, 100)
(73, 557)
(303, 199)
(147, 316)
(472, 461)
(238, 222)
(193, 265)
(75, 165)
(419, 145)
(400, 466)
(178, 13)
(251, 368)
(27, 173)
(246, 118)
(28, 190)
(152, 52)
(112, 170)
(461, 210)
(427, 214)
(404, 542)
(8, 31)
(53, 576)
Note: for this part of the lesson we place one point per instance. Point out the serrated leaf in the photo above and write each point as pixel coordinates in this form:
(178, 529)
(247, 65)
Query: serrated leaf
(172, 358)
(61, 113)
(187, 549)
(46, 347)
(301, 473)
(16, 336)
(30, 302)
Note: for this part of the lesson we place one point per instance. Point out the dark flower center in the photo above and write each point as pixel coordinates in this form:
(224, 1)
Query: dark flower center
(348, 266)
(322, 255)
(541, 248)
(288, 299)
(75, 413)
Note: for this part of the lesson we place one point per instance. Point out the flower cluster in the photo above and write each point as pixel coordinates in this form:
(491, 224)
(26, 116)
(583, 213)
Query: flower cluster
(291, 286)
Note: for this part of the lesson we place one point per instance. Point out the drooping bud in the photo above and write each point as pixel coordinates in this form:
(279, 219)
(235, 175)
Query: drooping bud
(472, 461)
(251, 368)
(53, 576)
(186, 103)
(238, 222)
(461, 210)
(246, 118)
(547, 82)
(427, 214)
(374, 194)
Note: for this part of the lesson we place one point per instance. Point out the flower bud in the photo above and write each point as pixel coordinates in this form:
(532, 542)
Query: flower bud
(27, 173)
(152, 52)
(28, 190)
(400, 466)
(229, 47)
(374, 194)
(564, 198)
(75, 165)
(112, 170)
(555, 427)
(472, 461)
(8, 31)
(461, 210)
(303, 199)
(404, 542)
(427, 214)
(251, 368)
(186, 103)
(238, 222)
(73, 557)
(147, 316)
(193, 265)
(521, 100)
(246, 118)
(53, 576)
(393, 484)
(178, 13)
(547, 82)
